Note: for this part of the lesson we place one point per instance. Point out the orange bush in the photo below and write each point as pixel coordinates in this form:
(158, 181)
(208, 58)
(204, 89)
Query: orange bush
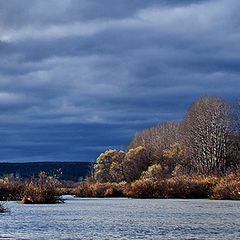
(190, 187)
(45, 189)
(99, 190)
(227, 188)
(146, 189)
(176, 187)
(11, 190)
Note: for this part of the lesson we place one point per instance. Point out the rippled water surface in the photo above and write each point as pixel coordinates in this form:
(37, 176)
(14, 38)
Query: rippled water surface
(123, 219)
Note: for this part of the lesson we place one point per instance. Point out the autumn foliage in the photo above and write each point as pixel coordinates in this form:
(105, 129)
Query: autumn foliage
(194, 158)
(11, 190)
(227, 188)
(99, 190)
(198, 157)
(176, 187)
(42, 190)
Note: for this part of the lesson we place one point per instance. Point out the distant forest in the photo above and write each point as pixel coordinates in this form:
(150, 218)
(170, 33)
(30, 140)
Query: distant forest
(69, 171)
(206, 142)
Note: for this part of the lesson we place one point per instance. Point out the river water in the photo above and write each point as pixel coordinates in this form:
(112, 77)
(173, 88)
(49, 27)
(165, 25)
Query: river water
(122, 219)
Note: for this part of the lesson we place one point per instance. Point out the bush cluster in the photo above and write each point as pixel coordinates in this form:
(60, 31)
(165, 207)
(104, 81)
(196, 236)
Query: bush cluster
(11, 190)
(99, 190)
(176, 187)
(227, 188)
(45, 189)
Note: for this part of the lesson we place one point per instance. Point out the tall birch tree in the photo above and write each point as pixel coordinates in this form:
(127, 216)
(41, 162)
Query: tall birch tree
(207, 135)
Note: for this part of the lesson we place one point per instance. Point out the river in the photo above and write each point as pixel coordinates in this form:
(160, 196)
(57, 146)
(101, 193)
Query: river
(121, 218)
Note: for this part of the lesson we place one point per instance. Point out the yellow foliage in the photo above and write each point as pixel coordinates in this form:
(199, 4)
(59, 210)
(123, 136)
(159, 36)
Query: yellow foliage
(175, 150)
(154, 171)
(135, 151)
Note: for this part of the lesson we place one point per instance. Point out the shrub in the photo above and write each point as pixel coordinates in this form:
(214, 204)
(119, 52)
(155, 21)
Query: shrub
(99, 190)
(190, 187)
(11, 190)
(227, 188)
(146, 189)
(176, 187)
(42, 190)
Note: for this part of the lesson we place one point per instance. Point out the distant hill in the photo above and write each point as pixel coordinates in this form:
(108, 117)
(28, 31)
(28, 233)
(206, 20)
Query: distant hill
(73, 171)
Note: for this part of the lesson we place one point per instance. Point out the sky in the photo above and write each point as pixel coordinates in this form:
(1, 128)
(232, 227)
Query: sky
(78, 77)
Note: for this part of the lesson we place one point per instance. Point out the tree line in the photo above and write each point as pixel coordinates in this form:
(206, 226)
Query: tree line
(205, 142)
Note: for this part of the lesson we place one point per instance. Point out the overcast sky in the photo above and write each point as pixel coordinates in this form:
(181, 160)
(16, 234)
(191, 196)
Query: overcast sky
(78, 77)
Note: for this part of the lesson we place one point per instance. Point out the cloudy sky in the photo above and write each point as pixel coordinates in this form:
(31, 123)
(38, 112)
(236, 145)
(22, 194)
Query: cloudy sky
(80, 76)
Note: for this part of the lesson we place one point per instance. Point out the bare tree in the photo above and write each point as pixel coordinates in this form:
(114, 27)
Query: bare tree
(157, 139)
(235, 137)
(207, 135)
(236, 116)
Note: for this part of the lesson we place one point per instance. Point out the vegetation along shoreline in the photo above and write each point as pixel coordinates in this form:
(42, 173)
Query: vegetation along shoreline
(198, 157)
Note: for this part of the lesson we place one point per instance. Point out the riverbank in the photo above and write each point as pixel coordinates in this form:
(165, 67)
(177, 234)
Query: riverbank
(221, 188)
(48, 190)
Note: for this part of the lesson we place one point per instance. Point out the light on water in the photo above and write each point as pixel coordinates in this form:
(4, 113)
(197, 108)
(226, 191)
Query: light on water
(123, 219)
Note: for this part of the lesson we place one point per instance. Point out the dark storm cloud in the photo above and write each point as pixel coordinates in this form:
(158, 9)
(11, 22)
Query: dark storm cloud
(78, 77)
